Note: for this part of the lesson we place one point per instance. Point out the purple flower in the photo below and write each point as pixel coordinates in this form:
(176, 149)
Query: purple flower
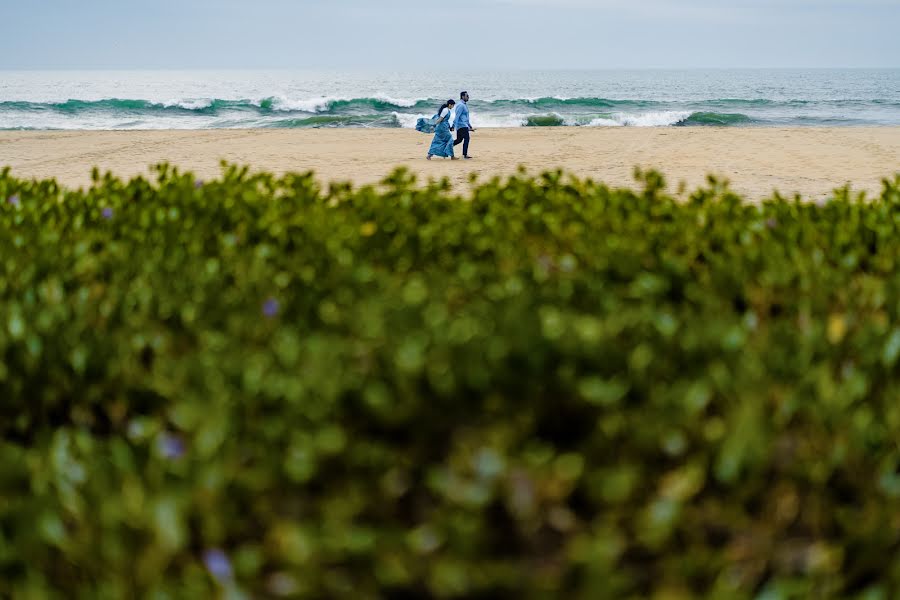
(172, 446)
(107, 213)
(198, 184)
(14, 200)
(271, 307)
(772, 223)
(217, 564)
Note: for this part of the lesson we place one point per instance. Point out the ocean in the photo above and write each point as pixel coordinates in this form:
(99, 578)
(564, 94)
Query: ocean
(91, 100)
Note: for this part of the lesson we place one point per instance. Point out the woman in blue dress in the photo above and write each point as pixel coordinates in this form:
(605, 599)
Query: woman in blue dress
(442, 144)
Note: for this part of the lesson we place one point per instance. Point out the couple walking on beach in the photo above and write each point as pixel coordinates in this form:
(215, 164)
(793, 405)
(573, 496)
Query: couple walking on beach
(451, 116)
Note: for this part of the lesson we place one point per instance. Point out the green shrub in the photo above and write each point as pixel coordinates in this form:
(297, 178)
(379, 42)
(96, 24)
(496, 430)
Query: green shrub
(256, 387)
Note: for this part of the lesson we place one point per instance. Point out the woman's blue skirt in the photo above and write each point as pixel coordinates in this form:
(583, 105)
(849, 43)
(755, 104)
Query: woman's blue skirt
(442, 144)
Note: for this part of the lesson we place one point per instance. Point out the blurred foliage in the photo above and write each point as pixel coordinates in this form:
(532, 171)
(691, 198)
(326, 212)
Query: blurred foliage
(257, 387)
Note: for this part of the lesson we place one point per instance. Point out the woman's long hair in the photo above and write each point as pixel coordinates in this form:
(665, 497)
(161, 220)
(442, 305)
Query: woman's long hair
(445, 105)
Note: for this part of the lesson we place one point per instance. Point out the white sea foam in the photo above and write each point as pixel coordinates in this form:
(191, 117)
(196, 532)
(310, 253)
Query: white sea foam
(52, 121)
(401, 102)
(191, 104)
(408, 121)
(650, 119)
(499, 121)
(653, 119)
(490, 121)
(311, 105)
(601, 122)
(325, 103)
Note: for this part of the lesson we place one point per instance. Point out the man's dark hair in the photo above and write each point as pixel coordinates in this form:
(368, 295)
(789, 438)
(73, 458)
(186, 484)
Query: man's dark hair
(463, 94)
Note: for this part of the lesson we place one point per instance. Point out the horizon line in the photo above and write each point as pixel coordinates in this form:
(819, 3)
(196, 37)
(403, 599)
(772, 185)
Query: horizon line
(473, 70)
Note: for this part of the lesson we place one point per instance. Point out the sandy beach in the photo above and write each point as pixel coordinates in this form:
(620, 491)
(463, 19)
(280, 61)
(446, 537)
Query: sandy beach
(809, 161)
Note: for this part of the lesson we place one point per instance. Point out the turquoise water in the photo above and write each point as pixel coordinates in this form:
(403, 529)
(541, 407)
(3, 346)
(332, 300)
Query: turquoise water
(284, 99)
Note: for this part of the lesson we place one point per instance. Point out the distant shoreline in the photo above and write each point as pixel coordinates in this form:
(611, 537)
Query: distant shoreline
(757, 160)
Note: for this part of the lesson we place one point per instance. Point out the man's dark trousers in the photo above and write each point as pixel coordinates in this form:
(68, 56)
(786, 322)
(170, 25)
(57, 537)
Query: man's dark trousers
(462, 137)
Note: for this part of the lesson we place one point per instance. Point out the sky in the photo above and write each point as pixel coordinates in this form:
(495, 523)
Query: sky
(456, 35)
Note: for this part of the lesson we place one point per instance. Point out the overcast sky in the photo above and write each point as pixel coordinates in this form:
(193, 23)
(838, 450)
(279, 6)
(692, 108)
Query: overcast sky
(458, 35)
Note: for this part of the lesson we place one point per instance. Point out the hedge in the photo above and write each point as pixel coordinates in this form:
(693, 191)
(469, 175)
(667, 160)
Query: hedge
(260, 387)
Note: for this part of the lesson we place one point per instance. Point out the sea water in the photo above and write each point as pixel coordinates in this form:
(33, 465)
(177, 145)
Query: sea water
(298, 99)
